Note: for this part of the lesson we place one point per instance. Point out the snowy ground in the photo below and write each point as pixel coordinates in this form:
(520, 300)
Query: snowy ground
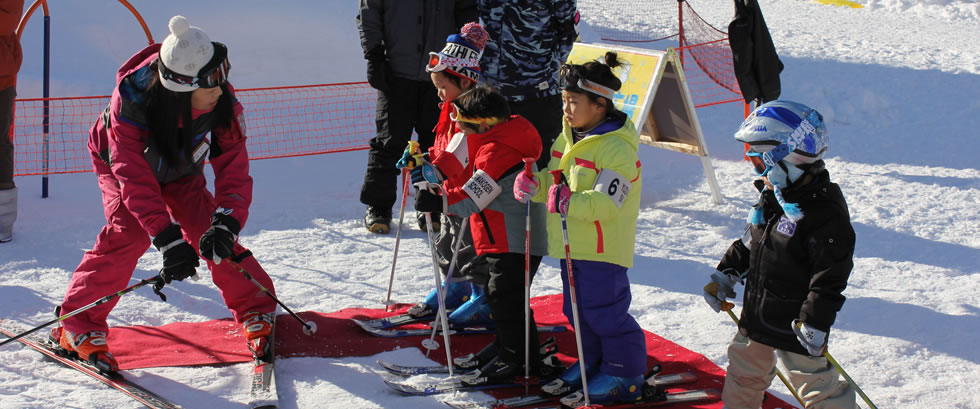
(898, 82)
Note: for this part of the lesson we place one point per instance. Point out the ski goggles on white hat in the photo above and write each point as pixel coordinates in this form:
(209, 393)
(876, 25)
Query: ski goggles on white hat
(212, 75)
(465, 67)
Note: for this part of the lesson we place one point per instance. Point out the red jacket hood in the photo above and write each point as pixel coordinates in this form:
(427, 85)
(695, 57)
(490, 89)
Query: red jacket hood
(517, 133)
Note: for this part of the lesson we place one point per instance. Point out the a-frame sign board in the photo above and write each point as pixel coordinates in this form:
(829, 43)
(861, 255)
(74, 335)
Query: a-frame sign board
(657, 100)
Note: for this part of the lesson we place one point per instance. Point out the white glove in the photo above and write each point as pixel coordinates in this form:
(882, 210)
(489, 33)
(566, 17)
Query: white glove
(720, 289)
(814, 340)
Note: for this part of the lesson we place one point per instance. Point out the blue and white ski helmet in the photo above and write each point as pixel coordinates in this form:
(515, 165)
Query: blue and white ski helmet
(787, 130)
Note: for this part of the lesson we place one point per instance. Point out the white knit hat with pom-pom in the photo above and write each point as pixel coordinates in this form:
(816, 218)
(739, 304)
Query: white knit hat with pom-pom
(185, 51)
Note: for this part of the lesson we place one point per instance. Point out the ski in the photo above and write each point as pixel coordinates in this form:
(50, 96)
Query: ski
(262, 392)
(397, 333)
(39, 342)
(393, 321)
(661, 399)
(660, 381)
(442, 386)
(468, 362)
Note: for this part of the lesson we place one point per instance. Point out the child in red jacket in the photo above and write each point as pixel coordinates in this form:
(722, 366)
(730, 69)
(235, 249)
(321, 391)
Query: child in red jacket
(497, 144)
(454, 70)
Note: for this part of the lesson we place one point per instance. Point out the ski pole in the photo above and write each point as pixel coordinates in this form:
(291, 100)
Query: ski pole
(102, 300)
(560, 179)
(857, 388)
(413, 147)
(309, 327)
(441, 293)
(727, 307)
(452, 268)
(528, 170)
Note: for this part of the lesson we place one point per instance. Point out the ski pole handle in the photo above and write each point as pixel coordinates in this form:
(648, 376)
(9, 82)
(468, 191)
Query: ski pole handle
(529, 166)
(558, 175)
(712, 288)
(413, 148)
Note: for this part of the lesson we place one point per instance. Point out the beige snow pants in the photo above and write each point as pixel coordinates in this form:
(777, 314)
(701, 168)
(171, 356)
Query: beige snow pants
(752, 366)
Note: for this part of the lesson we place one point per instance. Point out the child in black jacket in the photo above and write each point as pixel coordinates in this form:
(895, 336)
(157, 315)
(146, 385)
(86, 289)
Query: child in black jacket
(794, 260)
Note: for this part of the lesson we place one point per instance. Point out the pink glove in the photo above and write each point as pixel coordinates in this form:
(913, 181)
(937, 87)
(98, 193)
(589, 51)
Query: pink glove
(525, 187)
(558, 197)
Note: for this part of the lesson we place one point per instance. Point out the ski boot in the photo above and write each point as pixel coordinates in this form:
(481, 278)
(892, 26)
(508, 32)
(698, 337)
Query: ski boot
(458, 293)
(496, 371)
(477, 360)
(547, 351)
(90, 347)
(605, 388)
(474, 312)
(569, 381)
(258, 330)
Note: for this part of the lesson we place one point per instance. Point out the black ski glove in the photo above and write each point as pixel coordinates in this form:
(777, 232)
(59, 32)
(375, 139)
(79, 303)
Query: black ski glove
(179, 258)
(218, 242)
(426, 201)
(377, 69)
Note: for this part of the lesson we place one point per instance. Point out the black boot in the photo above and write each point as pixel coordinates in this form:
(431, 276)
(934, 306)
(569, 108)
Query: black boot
(377, 220)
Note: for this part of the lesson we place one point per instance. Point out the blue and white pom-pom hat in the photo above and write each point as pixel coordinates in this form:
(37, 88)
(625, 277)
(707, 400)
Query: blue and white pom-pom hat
(782, 136)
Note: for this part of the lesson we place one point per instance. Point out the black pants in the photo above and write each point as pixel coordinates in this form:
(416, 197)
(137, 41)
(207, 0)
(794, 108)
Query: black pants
(6, 144)
(506, 298)
(469, 265)
(546, 116)
(409, 105)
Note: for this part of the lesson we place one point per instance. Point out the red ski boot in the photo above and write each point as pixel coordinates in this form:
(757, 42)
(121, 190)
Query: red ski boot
(90, 346)
(258, 330)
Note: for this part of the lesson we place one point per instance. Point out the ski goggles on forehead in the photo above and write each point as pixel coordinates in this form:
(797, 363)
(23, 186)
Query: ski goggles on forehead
(439, 62)
(456, 117)
(209, 77)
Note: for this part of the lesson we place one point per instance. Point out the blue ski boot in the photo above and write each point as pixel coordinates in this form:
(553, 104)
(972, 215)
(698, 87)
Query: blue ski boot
(475, 311)
(458, 293)
(569, 381)
(605, 388)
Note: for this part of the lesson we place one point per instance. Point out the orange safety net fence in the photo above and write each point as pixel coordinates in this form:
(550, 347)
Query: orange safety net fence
(279, 122)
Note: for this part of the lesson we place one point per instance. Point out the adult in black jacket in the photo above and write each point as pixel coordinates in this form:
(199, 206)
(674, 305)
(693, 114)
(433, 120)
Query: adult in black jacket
(397, 36)
(794, 259)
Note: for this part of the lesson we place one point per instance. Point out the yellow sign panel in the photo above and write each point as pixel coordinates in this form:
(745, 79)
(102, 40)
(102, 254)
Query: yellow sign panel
(637, 74)
(655, 97)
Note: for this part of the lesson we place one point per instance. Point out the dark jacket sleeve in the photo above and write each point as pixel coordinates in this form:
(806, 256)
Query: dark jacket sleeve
(736, 257)
(566, 20)
(370, 24)
(466, 12)
(831, 250)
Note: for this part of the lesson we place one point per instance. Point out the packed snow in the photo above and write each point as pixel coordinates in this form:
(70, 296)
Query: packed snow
(898, 82)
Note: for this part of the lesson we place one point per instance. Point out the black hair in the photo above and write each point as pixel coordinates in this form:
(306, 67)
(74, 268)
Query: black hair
(597, 72)
(482, 102)
(168, 115)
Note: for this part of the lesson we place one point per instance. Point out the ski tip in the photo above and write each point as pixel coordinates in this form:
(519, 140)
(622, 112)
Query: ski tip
(400, 388)
(366, 324)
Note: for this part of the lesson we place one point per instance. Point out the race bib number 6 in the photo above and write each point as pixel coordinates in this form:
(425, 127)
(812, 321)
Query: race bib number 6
(616, 186)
